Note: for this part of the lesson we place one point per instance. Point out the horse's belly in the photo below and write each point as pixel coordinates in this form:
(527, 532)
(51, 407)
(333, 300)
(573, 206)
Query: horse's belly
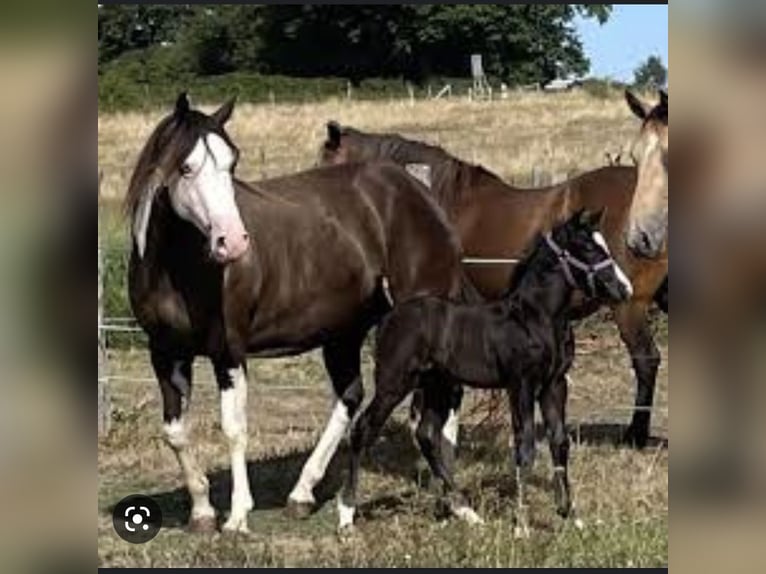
(309, 321)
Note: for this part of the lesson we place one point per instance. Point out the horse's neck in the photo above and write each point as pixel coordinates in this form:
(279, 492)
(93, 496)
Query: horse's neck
(543, 288)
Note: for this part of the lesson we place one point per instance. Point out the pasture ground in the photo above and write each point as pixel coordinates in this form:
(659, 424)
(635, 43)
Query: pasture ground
(620, 494)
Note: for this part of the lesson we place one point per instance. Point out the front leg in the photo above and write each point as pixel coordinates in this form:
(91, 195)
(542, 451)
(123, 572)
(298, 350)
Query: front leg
(523, 421)
(633, 323)
(232, 382)
(553, 407)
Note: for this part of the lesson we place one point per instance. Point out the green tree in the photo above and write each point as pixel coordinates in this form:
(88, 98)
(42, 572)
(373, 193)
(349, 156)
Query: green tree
(652, 74)
(520, 43)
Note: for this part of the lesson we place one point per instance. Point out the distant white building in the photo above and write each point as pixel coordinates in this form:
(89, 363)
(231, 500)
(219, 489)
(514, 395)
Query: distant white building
(562, 84)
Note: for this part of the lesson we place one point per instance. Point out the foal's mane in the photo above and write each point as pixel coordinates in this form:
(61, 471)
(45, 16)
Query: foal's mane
(525, 260)
(168, 146)
(451, 178)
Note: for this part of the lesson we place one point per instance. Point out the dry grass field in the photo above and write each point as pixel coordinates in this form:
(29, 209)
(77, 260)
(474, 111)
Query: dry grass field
(557, 132)
(620, 494)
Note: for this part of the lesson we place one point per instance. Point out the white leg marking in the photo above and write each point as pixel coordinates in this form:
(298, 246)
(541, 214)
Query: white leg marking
(468, 514)
(234, 423)
(315, 467)
(598, 238)
(345, 514)
(449, 431)
(196, 481)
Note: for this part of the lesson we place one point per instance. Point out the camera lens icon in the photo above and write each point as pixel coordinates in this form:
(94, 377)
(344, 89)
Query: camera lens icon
(137, 519)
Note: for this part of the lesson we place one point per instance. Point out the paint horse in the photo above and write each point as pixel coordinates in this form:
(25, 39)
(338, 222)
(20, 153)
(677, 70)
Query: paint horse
(497, 221)
(225, 269)
(648, 222)
(523, 343)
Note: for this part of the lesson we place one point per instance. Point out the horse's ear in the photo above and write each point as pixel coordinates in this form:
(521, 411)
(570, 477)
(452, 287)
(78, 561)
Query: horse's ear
(223, 114)
(333, 135)
(182, 105)
(639, 108)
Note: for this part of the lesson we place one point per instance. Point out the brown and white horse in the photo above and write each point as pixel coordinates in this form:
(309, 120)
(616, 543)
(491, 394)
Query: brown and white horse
(226, 270)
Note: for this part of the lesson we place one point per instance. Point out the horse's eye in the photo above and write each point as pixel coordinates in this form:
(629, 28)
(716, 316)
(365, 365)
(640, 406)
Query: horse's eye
(185, 169)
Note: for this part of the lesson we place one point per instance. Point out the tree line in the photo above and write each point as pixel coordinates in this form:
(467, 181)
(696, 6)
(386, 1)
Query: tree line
(520, 44)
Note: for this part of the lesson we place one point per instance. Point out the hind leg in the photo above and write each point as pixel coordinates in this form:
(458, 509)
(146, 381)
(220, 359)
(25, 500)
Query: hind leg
(633, 323)
(449, 429)
(553, 407)
(433, 433)
(390, 390)
(343, 362)
(175, 377)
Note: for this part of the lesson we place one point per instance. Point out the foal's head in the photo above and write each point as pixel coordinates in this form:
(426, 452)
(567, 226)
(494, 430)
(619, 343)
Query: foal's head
(585, 258)
(647, 231)
(192, 157)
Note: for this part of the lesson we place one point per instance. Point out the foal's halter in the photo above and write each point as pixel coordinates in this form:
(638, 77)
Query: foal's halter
(568, 261)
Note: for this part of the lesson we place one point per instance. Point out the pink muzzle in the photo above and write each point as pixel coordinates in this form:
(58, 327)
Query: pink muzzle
(229, 241)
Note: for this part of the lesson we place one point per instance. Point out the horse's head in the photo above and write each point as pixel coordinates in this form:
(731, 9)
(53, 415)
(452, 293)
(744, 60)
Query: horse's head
(339, 147)
(648, 226)
(192, 157)
(586, 260)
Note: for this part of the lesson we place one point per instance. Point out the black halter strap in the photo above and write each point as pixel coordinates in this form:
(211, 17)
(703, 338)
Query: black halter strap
(568, 261)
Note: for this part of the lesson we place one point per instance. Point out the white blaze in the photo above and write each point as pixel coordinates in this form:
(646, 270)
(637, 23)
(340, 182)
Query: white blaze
(599, 240)
(204, 194)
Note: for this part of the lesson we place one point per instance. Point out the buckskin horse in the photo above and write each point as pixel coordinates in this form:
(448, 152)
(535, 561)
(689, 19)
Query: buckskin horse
(523, 343)
(648, 223)
(498, 221)
(226, 269)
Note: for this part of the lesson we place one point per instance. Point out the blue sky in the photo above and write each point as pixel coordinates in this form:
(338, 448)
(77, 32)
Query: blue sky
(631, 34)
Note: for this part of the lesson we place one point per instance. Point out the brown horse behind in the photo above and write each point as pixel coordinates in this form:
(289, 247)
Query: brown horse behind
(498, 221)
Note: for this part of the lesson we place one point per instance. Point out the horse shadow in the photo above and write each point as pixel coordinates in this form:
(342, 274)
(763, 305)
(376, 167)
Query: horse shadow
(394, 454)
(273, 477)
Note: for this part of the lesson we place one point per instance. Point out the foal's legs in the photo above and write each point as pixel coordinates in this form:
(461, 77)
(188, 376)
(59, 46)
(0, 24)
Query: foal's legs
(232, 382)
(175, 378)
(438, 411)
(342, 360)
(449, 428)
(523, 421)
(553, 407)
(389, 391)
(633, 322)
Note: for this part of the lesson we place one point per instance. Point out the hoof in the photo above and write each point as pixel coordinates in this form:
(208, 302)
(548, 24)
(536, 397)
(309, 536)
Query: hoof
(298, 510)
(236, 525)
(637, 438)
(521, 532)
(347, 533)
(469, 515)
(203, 525)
